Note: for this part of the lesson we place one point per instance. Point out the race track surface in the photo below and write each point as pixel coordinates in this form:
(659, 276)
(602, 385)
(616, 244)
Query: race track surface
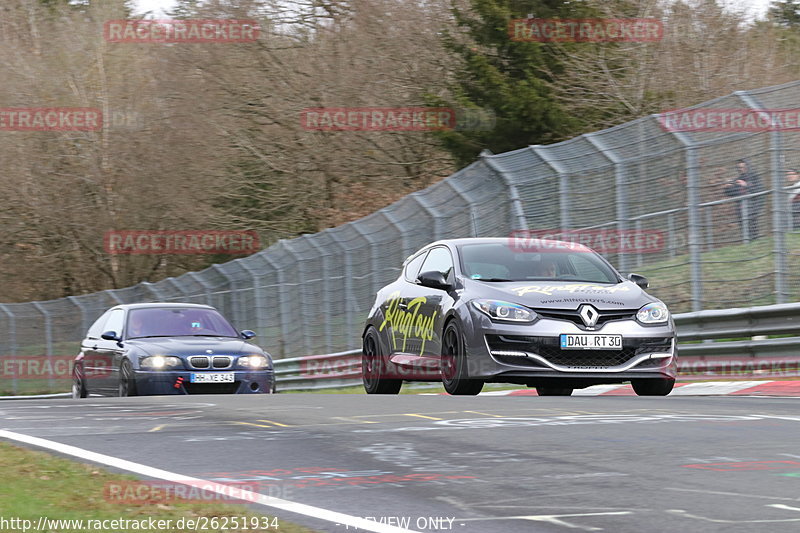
(472, 464)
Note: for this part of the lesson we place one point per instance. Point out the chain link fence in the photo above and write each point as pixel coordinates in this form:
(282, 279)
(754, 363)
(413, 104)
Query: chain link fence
(310, 295)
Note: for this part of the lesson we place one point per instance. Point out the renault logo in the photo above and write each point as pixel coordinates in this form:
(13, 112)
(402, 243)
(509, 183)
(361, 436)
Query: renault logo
(589, 315)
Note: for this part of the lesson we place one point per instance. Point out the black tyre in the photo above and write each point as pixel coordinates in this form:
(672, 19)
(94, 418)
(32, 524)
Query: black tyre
(374, 369)
(453, 365)
(127, 382)
(78, 383)
(652, 387)
(553, 391)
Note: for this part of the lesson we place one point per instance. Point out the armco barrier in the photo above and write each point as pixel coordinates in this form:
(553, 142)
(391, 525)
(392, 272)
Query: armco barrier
(712, 344)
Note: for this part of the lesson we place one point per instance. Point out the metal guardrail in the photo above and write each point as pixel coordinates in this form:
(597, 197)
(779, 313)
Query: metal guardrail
(715, 343)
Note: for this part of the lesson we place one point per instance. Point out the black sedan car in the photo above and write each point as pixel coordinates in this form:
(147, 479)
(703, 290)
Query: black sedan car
(169, 348)
(554, 315)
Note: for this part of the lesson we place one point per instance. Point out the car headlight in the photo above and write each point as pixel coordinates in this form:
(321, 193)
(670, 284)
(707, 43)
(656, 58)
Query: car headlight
(499, 310)
(158, 362)
(654, 313)
(253, 362)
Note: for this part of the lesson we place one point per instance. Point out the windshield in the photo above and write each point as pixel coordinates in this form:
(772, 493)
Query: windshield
(497, 262)
(177, 321)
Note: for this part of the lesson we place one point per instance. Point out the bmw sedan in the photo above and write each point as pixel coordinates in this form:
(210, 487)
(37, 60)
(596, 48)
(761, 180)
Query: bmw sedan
(553, 315)
(169, 348)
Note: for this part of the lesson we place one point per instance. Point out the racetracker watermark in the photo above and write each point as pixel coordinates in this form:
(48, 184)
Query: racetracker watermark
(599, 30)
(133, 242)
(191, 491)
(730, 120)
(47, 367)
(181, 31)
(378, 119)
(605, 241)
(50, 119)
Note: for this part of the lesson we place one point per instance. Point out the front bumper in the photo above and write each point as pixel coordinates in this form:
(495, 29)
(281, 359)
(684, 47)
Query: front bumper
(530, 353)
(154, 382)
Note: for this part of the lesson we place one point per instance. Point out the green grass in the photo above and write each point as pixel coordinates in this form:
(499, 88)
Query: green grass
(37, 484)
(739, 275)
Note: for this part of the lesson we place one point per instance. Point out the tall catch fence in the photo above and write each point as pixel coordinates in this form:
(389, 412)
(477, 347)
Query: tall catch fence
(310, 295)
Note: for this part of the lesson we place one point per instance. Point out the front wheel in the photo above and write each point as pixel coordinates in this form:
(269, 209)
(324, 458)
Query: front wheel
(78, 383)
(652, 387)
(127, 382)
(374, 367)
(453, 365)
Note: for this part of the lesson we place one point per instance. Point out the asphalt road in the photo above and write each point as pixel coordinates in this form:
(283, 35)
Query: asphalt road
(473, 464)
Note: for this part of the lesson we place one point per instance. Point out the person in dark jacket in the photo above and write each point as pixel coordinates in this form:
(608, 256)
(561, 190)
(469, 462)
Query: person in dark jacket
(747, 182)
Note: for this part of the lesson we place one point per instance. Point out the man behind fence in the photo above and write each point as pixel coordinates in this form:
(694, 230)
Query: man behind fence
(747, 182)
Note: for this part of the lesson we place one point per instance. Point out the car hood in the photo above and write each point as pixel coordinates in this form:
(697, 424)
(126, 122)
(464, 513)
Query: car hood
(563, 294)
(193, 346)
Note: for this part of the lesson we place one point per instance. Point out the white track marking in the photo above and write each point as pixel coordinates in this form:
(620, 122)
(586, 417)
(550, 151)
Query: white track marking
(710, 388)
(555, 519)
(254, 497)
(596, 390)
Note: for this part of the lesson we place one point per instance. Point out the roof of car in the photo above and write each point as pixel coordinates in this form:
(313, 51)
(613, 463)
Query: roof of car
(152, 305)
(487, 240)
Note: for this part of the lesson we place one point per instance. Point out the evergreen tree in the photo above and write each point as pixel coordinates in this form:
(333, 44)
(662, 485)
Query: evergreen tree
(509, 78)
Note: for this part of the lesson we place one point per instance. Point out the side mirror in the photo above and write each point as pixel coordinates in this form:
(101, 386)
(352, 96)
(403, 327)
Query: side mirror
(640, 280)
(110, 336)
(433, 280)
(247, 334)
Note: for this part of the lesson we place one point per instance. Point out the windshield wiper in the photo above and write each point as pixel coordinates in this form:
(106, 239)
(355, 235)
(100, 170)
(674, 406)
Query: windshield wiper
(491, 279)
(150, 336)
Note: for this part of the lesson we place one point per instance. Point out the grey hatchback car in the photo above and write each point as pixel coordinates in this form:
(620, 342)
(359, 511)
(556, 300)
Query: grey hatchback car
(554, 315)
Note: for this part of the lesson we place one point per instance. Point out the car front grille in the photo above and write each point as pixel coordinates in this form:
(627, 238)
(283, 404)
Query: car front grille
(575, 318)
(222, 361)
(200, 361)
(549, 349)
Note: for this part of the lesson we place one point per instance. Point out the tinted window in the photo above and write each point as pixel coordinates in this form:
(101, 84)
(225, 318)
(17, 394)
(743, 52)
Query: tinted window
(115, 319)
(177, 321)
(438, 260)
(412, 268)
(97, 328)
(499, 262)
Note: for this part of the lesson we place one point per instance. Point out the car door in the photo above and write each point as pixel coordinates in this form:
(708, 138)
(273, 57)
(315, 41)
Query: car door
(395, 309)
(431, 322)
(92, 365)
(107, 353)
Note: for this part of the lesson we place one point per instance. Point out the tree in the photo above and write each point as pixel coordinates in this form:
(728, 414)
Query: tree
(786, 12)
(510, 78)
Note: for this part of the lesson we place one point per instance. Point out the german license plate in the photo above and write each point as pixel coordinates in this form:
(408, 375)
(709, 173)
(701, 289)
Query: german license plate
(571, 341)
(216, 377)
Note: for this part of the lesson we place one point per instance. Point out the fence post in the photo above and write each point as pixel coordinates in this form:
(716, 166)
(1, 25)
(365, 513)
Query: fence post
(261, 323)
(563, 185)
(48, 337)
(518, 212)
(12, 342)
(326, 302)
(695, 239)
(620, 194)
(779, 207)
(282, 304)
